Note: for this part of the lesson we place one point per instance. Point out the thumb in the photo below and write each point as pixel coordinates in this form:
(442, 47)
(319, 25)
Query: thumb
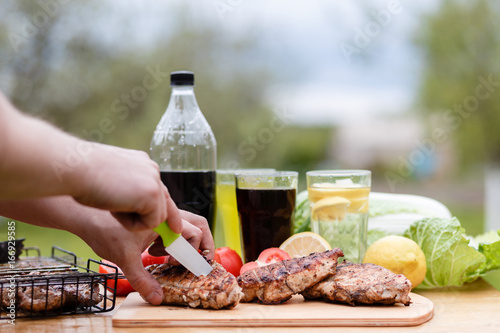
(142, 281)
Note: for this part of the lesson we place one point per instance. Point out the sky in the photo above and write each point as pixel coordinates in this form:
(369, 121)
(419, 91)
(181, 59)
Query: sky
(340, 60)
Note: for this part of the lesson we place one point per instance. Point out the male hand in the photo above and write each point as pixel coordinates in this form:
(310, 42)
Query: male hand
(196, 231)
(127, 183)
(110, 240)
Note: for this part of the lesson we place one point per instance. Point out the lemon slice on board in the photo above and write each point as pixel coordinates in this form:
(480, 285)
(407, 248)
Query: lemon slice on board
(330, 209)
(304, 243)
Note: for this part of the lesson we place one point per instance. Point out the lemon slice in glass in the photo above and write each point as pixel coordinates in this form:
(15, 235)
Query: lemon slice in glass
(330, 209)
(304, 243)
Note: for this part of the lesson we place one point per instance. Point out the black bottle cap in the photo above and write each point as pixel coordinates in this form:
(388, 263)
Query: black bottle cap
(182, 78)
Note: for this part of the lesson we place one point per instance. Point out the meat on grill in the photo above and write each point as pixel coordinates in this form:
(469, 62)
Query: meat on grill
(44, 297)
(362, 284)
(276, 283)
(217, 290)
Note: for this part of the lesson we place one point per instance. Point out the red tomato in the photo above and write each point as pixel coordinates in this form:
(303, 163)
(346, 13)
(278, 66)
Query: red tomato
(266, 257)
(229, 259)
(148, 259)
(272, 255)
(123, 287)
(248, 266)
(217, 257)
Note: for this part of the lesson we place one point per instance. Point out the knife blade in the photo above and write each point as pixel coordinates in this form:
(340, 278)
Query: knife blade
(179, 248)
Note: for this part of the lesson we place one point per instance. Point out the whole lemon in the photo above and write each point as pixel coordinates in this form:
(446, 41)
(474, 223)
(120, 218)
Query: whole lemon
(399, 254)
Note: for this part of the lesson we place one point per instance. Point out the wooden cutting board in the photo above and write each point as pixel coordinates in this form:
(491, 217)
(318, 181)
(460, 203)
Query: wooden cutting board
(135, 312)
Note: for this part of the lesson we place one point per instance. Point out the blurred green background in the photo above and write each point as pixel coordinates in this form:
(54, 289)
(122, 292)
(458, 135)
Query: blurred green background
(77, 64)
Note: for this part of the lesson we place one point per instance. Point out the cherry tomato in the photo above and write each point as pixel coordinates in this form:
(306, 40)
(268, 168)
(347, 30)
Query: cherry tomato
(266, 257)
(123, 287)
(272, 255)
(248, 266)
(229, 259)
(148, 259)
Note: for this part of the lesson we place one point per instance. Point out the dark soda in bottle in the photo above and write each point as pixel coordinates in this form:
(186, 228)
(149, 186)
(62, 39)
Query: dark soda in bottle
(184, 146)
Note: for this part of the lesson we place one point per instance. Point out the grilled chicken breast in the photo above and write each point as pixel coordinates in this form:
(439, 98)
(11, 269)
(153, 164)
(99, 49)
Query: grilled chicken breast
(39, 298)
(362, 284)
(276, 283)
(59, 290)
(217, 290)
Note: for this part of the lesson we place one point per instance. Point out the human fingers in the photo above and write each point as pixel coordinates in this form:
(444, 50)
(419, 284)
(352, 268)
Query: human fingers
(192, 234)
(207, 242)
(154, 212)
(131, 221)
(142, 281)
(152, 207)
(174, 218)
(125, 182)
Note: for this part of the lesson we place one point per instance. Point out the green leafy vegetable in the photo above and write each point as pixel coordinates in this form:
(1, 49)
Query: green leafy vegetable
(302, 215)
(492, 254)
(450, 259)
(489, 246)
(487, 238)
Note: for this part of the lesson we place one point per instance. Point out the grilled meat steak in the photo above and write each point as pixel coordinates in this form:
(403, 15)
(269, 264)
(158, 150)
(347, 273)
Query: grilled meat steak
(276, 283)
(217, 290)
(39, 298)
(58, 298)
(362, 284)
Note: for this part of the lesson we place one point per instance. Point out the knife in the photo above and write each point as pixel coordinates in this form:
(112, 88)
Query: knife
(179, 248)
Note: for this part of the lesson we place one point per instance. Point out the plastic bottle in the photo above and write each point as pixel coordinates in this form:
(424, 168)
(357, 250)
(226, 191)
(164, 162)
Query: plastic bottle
(184, 146)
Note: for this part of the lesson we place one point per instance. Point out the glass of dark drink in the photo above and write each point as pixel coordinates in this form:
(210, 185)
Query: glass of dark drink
(266, 202)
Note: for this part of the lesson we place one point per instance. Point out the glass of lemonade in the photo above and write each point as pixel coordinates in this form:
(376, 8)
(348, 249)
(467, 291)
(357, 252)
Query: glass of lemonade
(227, 223)
(266, 202)
(339, 208)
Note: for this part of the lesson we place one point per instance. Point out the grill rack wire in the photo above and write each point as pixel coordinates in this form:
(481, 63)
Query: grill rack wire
(56, 285)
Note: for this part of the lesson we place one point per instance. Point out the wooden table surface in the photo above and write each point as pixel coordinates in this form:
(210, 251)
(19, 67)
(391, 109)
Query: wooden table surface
(471, 308)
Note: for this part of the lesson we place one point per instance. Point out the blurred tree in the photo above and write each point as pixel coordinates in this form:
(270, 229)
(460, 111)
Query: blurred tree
(81, 68)
(461, 48)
